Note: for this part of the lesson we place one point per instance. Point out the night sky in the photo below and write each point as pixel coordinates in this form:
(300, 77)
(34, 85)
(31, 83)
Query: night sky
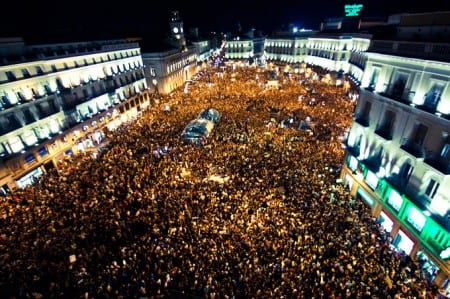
(51, 18)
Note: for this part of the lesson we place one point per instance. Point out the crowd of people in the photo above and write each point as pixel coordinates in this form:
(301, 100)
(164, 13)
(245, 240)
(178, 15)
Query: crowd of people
(256, 212)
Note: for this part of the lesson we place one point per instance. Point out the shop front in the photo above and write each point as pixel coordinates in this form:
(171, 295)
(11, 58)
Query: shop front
(30, 178)
(428, 267)
(403, 243)
(386, 222)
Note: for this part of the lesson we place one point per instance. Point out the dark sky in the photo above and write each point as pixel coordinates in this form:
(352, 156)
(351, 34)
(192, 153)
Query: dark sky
(143, 17)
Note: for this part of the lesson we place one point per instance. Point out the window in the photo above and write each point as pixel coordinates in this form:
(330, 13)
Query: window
(26, 73)
(395, 200)
(433, 96)
(21, 96)
(405, 172)
(2, 150)
(86, 94)
(28, 116)
(14, 121)
(432, 188)
(5, 101)
(48, 90)
(30, 158)
(371, 180)
(419, 135)
(11, 76)
(363, 116)
(366, 109)
(416, 219)
(352, 163)
(389, 119)
(398, 87)
(373, 79)
(39, 70)
(386, 127)
(445, 152)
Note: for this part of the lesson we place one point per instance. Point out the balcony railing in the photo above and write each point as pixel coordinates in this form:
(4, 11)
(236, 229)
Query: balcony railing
(414, 149)
(353, 150)
(404, 97)
(439, 164)
(372, 163)
(396, 182)
(427, 108)
(386, 133)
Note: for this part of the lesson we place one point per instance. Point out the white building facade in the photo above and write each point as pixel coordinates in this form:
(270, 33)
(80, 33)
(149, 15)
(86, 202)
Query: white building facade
(398, 149)
(60, 99)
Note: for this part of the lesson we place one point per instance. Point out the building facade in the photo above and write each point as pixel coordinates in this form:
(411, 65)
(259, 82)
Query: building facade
(333, 52)
(60, 99)
(168, 69)
(398, 148)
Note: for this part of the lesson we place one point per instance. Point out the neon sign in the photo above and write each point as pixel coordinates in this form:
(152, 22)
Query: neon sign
(352, 10)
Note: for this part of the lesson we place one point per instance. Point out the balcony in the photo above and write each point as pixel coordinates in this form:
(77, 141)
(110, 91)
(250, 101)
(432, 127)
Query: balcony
(428, 108)
(414, 149)
(385, 133)
(373, 163)
(395, 181)
(353, 150)
(11, 125)
(398, 98)
(46, 111)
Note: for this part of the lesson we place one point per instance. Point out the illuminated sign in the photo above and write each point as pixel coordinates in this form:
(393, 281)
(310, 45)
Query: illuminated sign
(371, 180)
(365, 196)
(395, 200)
(416, 219)
(352, 10)
(353, 163)
(445, 254)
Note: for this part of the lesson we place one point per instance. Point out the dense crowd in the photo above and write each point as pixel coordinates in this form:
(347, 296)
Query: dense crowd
(257, 212)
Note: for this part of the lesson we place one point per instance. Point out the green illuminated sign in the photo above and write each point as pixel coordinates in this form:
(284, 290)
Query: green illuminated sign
(445, 254)
(352, 10)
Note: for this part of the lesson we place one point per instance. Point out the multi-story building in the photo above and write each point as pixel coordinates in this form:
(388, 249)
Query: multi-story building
(248, 46)
(398, 147)
(239, 48)
(335, 52)
(170, 67)
(59, 99)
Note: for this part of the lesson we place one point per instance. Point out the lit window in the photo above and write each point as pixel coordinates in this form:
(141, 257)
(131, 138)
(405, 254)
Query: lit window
(432, 188)
(445, 153)
(395, 200)
(371, 180)
(416, 219)
(30, 158)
